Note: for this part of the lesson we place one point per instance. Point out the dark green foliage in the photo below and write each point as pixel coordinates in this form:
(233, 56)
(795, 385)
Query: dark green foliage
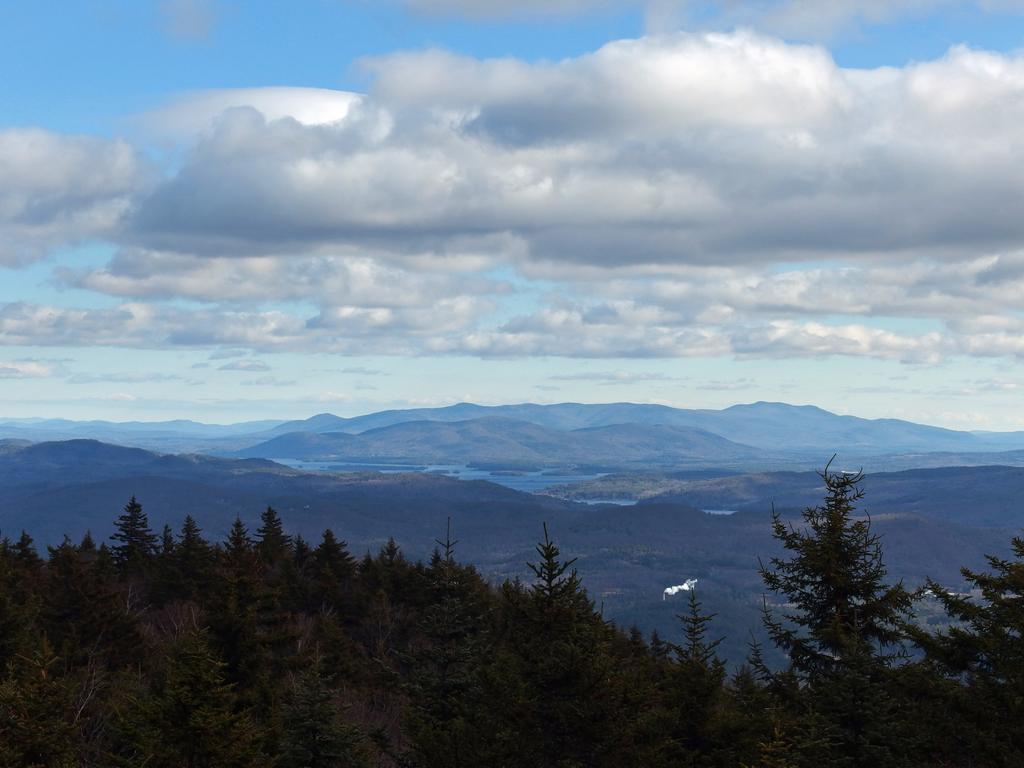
(193, 718)
(834, 580)
(136, 545)
(316, 733)
(191, 563)
(843, 630)
(981, 659)
(552, 680)
(444, 687)
(273, 542)
(37, 713)
(264, 651)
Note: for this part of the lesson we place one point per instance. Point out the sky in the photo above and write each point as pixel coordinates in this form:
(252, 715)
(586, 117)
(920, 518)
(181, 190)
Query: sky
(220, 210)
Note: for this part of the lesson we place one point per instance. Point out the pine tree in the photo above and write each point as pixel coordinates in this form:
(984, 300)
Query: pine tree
(694, 691)
(983, 653)
(37, 713)
(166, 547)
(26, 555)
(272, 542)
(550, 688)
(80, 611)
(192, 561)
(444, 686)
(136, 547)
(334, 570)
(316, 734)
(17, 606)
(194, 719)
(843, 626)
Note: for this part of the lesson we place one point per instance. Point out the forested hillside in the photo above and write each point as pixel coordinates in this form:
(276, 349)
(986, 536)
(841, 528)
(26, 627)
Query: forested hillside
(166, 649)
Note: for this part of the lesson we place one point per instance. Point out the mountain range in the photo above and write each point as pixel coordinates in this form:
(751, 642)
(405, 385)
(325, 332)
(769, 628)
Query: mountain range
(616, 435)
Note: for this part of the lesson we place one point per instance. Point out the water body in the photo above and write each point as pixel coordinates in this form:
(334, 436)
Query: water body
(529, 481)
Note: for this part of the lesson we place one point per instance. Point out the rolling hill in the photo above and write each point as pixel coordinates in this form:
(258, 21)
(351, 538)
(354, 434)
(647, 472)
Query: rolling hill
(753, 436)
(497, 439)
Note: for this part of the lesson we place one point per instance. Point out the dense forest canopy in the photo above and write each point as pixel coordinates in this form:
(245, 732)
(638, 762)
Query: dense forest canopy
(165, 649)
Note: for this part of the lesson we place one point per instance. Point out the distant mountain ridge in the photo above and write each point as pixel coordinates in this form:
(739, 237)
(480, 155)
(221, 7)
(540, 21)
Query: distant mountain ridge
(762, 425)
(499, 439)
(642, 433)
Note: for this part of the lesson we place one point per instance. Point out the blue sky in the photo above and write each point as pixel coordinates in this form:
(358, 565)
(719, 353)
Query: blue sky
(226, 210)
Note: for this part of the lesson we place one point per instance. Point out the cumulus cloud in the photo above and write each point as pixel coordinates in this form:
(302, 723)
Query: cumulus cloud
(677, 195)
(192, 114)
(58, 189)
(159, 326)
(681, 149)
(355, 278)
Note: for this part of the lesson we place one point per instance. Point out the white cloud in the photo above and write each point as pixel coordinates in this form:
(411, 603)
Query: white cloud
(685, 149)
(355, 278)
(192, 114)
(57, 189)
(681, 195)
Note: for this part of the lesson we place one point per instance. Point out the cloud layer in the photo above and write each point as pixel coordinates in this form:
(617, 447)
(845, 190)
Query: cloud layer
(670, 196)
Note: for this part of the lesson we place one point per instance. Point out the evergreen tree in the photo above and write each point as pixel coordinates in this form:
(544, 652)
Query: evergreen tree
(17, 606)
(694, 694)
(137, 545)
(550, 687)
(843, 625)
(273, 544)
(444, 686)
(37, 714)
(984, 650)
(333, 573)
(80, 611)
(192, 562)
(25, 554)
(316, 734)
(193, 719)
(166, 547)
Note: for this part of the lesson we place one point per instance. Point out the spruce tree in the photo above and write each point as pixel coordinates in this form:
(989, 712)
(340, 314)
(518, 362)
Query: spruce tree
(315, 733)
(194, 718)
(983, 652)
(694, 691)
(136, 544)
(843, 626)
(272, 542)
(37, 710)
(333, 572)
(550, 688)
(193, 561)
(444, 686)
